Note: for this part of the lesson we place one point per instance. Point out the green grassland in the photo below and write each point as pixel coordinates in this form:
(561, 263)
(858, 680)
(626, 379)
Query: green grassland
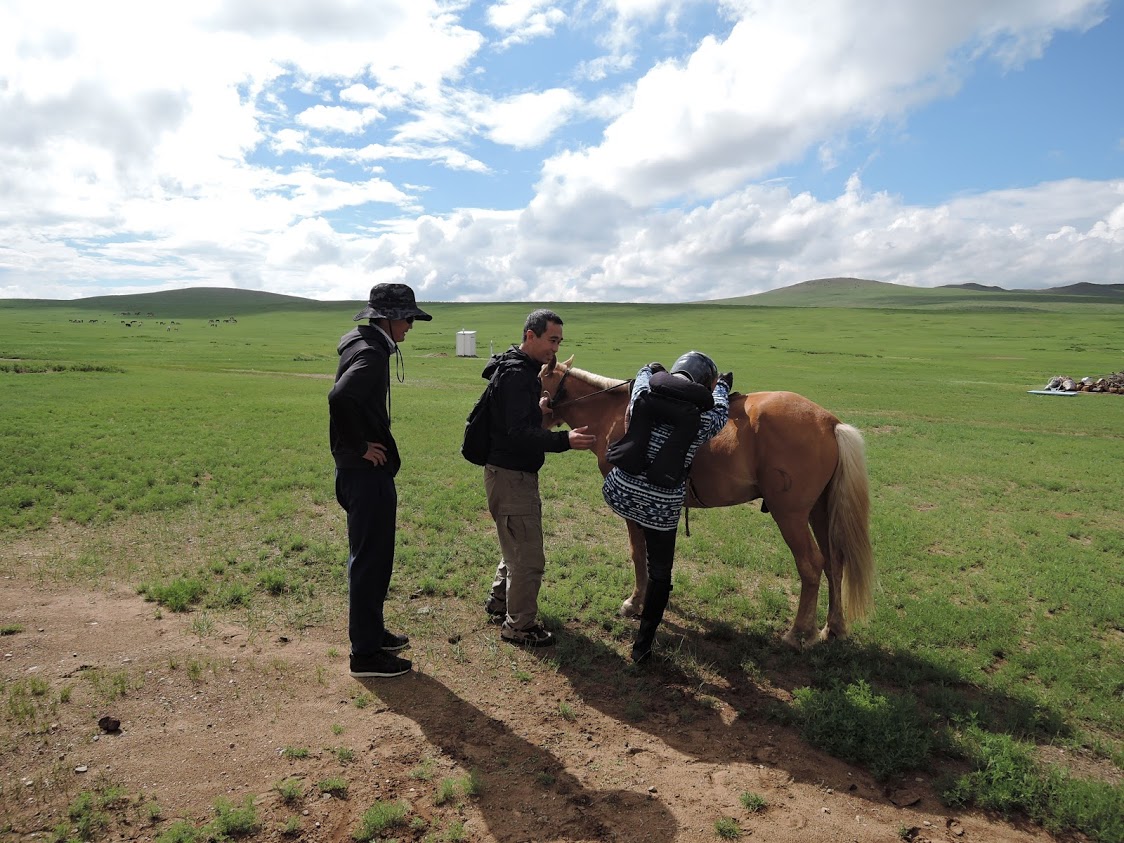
(186, 456)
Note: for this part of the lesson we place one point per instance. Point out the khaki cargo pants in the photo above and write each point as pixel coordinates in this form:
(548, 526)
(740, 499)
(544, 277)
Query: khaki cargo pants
(515, 505)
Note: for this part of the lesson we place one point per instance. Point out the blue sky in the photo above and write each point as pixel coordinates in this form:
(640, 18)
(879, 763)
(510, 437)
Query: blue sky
(593, 150)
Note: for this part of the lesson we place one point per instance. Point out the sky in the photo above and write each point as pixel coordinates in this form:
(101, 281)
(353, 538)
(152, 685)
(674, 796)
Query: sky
(558, 150)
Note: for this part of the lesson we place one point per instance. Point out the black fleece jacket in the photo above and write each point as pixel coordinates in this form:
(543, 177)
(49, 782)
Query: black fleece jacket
(518, 440)
(358, 403)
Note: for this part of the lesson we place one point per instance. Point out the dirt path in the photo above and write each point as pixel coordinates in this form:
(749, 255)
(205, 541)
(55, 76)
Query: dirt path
(559, 755)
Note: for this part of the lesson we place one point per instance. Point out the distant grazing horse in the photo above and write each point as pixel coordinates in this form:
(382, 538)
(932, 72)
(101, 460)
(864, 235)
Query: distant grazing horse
(807, 466)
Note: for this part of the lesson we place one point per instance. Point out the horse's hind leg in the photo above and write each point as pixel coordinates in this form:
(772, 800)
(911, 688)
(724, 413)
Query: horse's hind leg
(809, 564)
(836, 626)
(634, 605)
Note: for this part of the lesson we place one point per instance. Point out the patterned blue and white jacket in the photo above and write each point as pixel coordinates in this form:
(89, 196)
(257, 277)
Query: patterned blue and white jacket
(649, 505)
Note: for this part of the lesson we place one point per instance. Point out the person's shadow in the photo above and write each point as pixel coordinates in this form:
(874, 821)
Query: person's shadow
(526, 792)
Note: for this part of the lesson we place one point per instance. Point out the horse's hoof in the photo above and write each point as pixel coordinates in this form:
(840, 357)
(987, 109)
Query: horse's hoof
(630, 609)
(792, 640)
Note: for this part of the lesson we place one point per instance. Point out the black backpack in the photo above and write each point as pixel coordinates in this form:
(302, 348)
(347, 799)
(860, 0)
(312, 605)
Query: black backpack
(478, 429)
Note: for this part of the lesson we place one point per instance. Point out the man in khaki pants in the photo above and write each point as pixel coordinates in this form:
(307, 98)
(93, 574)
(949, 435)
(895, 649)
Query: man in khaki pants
(517, 450)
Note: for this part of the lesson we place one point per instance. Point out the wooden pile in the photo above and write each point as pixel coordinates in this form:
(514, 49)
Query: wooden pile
(1109, 383)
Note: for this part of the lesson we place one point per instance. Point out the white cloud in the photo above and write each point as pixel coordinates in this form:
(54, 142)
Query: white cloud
(527, 120)
(296, 146)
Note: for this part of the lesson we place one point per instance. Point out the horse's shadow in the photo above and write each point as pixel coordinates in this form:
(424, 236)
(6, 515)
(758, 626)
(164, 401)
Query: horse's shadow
(673, 696)
(526, 792)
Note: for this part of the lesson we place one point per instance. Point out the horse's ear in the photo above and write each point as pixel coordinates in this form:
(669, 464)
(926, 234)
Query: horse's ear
(568, 363)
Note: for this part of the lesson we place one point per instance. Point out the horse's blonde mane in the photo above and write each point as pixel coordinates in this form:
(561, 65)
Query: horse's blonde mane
(599, 381)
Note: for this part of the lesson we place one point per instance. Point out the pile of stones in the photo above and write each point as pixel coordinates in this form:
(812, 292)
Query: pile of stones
(1109, 383)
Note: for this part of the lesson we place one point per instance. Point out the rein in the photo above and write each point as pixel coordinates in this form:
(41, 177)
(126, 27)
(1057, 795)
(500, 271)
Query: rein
(554, 402)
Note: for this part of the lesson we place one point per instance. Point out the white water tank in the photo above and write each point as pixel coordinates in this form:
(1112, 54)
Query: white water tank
(466, 343)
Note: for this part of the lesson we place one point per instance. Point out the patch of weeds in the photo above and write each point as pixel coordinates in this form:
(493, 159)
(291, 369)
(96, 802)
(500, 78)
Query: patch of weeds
(472, 784)
(109, 686)
(753, 802)
(85, 816)
(362, 700)
(634, 710)
(727, 828)
(275, 581)
(334, 785)
(25, 696)
(178, 595)
(418, 824)
(290, 790)
(456, 832)
(337, 729)
(11, 629)
(446, 791)
(424, 772)
(64, 693)
(378, 818)
(194, 670)
(202, 625)
(344, 754)
(152, 811)
(291, 827)
(567, 711)
(1007, 779)
(181, 831)
(235, 594)
(544, 778)
(884, 733)
(333, 652)
(295, 752)
(232, 821)
(523, 676)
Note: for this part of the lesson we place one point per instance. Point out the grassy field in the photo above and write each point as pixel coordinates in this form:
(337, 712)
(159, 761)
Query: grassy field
(185, 455)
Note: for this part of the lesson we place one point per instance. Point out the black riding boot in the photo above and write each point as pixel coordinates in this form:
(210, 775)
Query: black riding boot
(655, 601)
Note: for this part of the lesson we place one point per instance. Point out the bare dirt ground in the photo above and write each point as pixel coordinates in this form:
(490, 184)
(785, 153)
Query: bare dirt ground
(206, 713)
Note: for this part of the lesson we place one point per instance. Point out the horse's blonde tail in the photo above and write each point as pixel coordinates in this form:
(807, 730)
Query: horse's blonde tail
(848, 523)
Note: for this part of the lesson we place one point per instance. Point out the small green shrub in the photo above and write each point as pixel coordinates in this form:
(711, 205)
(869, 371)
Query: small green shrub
(231, 821)
(290, 789)
(753, 802)
(378, 818)
(178, 595)
(181, 831)
(727, 828)
(884, 733)
(335, 785)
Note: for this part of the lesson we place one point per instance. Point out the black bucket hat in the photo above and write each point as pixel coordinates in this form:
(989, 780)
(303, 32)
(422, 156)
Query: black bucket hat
(392, 301)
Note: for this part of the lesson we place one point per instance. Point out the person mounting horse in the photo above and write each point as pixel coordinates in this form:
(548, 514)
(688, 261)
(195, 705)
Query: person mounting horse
(670, 414)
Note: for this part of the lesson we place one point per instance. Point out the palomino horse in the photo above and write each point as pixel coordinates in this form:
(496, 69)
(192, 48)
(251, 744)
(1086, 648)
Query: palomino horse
(807, 466)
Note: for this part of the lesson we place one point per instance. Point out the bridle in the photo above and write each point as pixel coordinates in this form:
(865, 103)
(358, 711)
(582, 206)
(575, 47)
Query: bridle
(557, 401)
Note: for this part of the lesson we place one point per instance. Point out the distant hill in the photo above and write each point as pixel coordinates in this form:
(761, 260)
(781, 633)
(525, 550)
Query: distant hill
(221, 302)
(193, 302)
(863, 292)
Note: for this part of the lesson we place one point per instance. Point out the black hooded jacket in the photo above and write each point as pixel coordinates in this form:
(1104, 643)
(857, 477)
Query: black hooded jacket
(518, 440)
(358, 403)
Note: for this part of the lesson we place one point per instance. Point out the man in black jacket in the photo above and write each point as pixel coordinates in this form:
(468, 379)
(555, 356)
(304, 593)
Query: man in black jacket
(517, 451)
(367, 460)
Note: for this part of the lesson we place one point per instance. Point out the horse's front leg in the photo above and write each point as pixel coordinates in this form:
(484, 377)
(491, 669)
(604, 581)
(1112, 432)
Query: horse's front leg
(634, 605)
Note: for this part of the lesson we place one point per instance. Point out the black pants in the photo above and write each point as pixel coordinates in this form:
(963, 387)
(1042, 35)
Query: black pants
(369, 498)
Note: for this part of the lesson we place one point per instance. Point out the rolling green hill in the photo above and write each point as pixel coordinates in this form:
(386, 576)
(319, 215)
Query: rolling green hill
(193, 302)
(860, 292)
(222, 302)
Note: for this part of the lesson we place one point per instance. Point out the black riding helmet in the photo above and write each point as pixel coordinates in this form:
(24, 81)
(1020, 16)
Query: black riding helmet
(698, 367)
